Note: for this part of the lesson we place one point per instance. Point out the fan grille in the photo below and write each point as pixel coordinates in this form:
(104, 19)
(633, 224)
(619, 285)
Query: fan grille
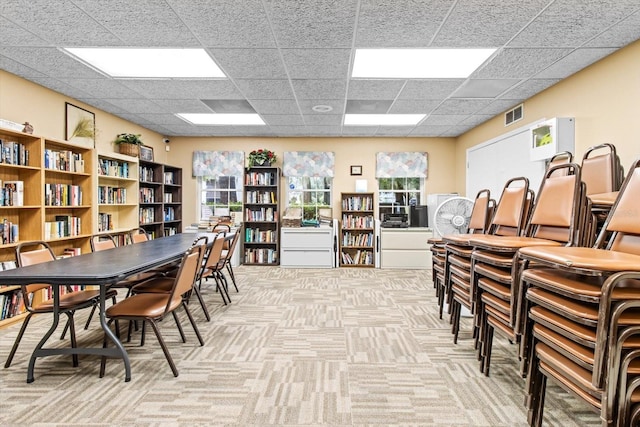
(453, 216)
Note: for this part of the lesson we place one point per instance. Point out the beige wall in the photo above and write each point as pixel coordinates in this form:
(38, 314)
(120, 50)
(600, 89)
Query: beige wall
(603, 99)
(348, 151)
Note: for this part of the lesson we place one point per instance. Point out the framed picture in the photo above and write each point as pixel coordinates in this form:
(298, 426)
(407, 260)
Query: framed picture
(356, 170)
(80, 126)
(146, 153)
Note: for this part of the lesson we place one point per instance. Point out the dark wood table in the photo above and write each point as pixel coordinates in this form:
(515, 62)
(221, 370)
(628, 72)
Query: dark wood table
(100, 269)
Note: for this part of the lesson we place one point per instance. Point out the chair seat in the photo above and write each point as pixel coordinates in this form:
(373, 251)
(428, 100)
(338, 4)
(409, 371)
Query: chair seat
(159, 285)
(586, 258)
(459, 239)
(72, 300)
(509, 243)
(149, 306)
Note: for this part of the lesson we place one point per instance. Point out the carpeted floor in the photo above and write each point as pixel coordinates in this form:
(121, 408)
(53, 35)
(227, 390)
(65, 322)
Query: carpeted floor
(338, 347)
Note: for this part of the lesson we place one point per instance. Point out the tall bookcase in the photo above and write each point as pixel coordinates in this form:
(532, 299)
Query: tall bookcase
(160, 211)
(46, 191)
(117, 193)
(261, 230)
(357, 230)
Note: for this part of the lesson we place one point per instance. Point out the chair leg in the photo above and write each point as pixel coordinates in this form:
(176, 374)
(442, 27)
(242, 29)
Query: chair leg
(223, 286)
(193, 323)
(486, 361)
(93, 310)
(175, 317)
(164, 348)
(16, 343)
(202, 304)
(72, 333)
(233, 276)
(103, 359)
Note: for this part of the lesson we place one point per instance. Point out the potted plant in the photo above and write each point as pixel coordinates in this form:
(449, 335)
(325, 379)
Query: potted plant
(128, 143)
(261, 157)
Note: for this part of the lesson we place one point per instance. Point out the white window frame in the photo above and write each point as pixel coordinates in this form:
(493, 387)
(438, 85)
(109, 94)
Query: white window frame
(290, 182)
(237, 206)
(405, 207)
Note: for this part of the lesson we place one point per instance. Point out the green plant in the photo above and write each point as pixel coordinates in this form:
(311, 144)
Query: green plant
(84, 129)
(261, 157)
(128, 138)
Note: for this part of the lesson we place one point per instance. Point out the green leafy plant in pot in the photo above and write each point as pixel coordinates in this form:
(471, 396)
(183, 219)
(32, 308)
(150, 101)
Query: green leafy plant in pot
(128, 143)
(261, 157)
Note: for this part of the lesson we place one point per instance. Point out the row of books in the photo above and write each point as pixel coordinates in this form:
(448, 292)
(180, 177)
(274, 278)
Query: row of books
(255, 235)
(63, 160)
(146, 174)
(112, 195)
(357, 203)
(63, 226)
(261, 197)
(105, 221)
(13, 153)
(260, 256)
(357, 221)
(62, 195)
(262, 214)
(147, 195)
(115, 168)
(359, 258)
(12, 193)
(169, 178)
(147, 215)
(168, 197)
(169, 213)
(11, 304)
(170, 231)
(357, 239)
(260, 178)
(9, 232)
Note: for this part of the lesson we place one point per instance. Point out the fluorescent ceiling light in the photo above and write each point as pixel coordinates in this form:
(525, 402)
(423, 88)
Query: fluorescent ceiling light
(383, 119)
(149, 63)
(418, 63)
(221, 119)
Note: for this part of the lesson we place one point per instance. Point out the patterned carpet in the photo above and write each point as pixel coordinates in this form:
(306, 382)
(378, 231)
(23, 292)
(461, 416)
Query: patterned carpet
(342, 347)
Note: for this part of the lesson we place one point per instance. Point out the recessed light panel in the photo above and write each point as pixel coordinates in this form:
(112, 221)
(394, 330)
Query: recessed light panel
(418, 63)
(382, 119)
(149, 63)
(221, 119)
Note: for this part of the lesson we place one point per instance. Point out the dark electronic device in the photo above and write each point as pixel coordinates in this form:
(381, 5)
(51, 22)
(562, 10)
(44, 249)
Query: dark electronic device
(419, 217)
(394, 220)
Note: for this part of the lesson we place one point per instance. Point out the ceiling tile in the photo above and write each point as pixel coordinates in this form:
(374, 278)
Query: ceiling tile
(374, 88)
(250, 63)
(317, 63)
(429, 89)
(394, 130)
(285, 130)
(136, 106)
(443, 119)
(18, 69)
(61, 87)
(102, 88)
(528, 88)
(323, 120)
(319, 89)
(324, 130)
(435, 130)
(161, 119)
(519, 63)
(359, 130)
(50, 61)
(321, 23)
(575, 61)
(265, 89)
(279, 106)
(306, 105)
(497, 106)
(14, 35)
(376, 106)
(487, 23)
(229, 24)
(182, 105)
(414, 106)
(618, 35)
(461, 106)
(483, 88)
(283, 119)
(184, 89)
(477, 119)
(229, 105)
(400, 23)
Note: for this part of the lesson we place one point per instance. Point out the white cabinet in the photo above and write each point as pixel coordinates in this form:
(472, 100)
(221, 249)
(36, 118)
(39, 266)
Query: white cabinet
(307, 247)
(405, 248)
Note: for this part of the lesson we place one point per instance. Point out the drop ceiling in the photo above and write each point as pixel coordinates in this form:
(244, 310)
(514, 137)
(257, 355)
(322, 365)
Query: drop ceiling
(284, 57)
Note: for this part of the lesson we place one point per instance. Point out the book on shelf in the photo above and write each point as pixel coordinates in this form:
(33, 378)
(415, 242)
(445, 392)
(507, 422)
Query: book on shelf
(9, 232)
(12, 193)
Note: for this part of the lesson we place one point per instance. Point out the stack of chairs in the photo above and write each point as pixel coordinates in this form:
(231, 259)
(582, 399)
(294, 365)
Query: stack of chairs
(457, 262)
(582, 320)
(559, 216)
(437, 269)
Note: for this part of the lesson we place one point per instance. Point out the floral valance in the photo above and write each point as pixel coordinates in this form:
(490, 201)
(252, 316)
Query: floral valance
(218, 163)
(308, 163)
(404, 164)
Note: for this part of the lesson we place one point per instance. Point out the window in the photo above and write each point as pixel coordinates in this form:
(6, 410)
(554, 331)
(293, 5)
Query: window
(219, 195)
(398, 194)
(309, 193)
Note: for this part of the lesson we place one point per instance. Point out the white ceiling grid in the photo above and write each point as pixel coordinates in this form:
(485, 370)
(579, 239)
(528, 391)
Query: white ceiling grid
(283, 57)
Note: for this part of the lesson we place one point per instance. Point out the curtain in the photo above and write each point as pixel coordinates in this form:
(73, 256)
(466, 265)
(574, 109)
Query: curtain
(308, 163)
(404, 164)
(218, 163)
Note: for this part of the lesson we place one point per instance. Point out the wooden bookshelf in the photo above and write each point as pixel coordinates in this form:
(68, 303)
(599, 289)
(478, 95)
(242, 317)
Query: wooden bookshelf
(261, 227)
(160, 212)
(357, 231)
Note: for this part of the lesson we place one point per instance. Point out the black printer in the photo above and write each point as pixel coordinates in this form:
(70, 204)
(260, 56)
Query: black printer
(394, 220)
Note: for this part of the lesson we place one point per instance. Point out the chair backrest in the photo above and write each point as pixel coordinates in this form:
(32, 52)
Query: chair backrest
(101, 242)
(186, 276)
(512, 212)
(214, 255)
(560, 158)
(138, 235)
(559, 206)
(601, 169)
(483, 207)
(621, 230)
(230, 247)
(26, 257)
